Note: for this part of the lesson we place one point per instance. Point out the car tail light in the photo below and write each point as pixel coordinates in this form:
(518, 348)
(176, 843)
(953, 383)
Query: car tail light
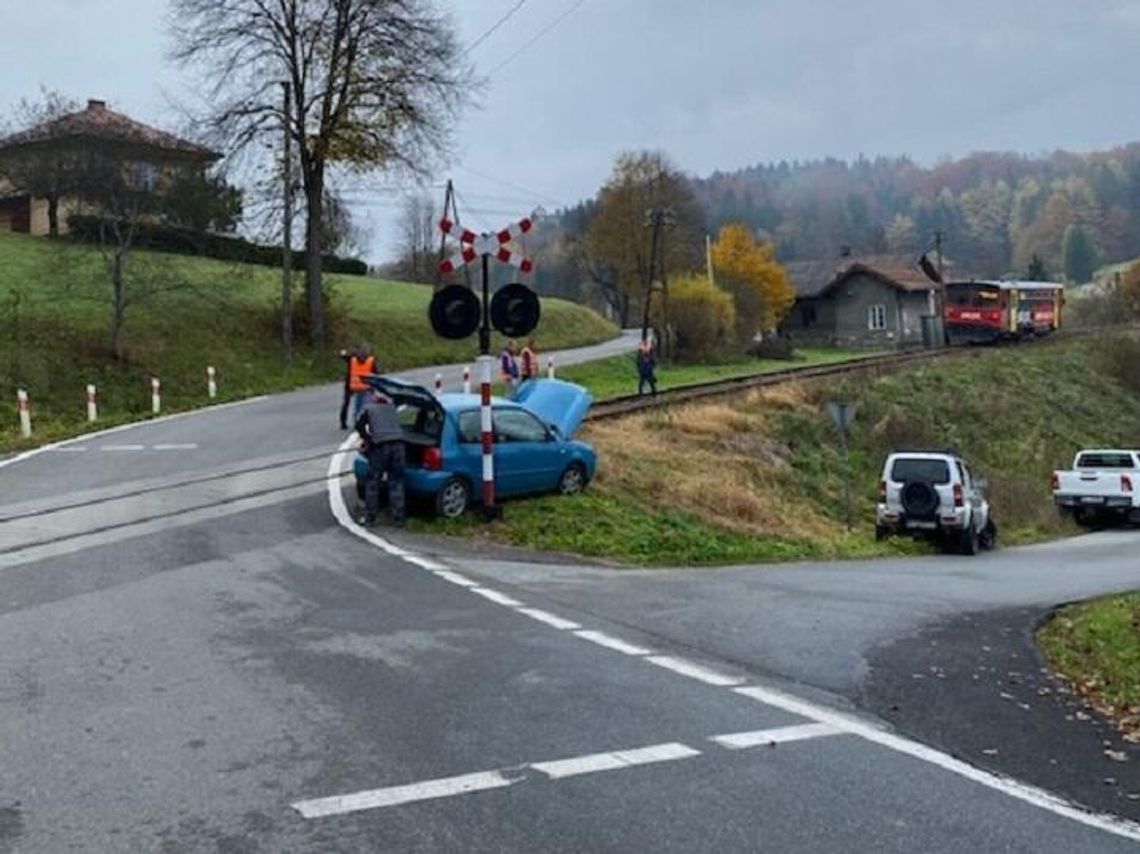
(882, 492)
(1126, 483)
(433, 459)
(959, 496)
(1055, 483)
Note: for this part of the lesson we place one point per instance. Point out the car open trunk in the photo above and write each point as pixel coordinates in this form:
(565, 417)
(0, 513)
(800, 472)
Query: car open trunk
(420, 415)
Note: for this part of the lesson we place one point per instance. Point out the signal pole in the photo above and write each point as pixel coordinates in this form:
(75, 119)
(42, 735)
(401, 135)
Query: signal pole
(287, 227)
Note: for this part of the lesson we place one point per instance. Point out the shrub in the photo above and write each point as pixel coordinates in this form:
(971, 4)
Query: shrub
(183, 241)
(773, 347)
(1119, 358)
(703, 317)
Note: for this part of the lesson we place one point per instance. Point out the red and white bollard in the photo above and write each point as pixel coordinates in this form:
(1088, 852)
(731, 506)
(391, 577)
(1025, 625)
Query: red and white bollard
(550, 368)
(466, 380)
(92, 404)
(25, 414)
(155, 396)
(488, 436)
(211, 382)
(438, 384)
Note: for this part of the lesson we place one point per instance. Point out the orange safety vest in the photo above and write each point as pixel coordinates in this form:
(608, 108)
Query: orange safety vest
(529, 362)
(356, 371)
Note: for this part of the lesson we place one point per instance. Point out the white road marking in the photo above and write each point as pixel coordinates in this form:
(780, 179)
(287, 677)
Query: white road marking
(455, 578)
(779, 735)
(819, 714)
(496, 597)
(591, 764)
(426, 563)
(123, 448)
(394, 795)
(695, 671)
(188, 446)
(610, 642)
(552, 620)
(97, 434)
(69, 449)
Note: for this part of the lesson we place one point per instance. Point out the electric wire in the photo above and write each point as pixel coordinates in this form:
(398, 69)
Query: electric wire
(526, 45)
(495, 26)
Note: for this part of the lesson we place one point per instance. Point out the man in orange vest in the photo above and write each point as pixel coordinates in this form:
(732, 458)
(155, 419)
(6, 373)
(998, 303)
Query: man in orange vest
(528, 359)
(360, 364)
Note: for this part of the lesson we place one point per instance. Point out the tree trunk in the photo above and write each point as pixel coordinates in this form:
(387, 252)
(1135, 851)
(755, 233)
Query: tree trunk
(314, 192)
(53, 215)
(118, 307)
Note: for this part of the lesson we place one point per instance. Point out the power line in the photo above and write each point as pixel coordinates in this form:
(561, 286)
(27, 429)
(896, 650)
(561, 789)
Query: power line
(491, 30)
(536, 37)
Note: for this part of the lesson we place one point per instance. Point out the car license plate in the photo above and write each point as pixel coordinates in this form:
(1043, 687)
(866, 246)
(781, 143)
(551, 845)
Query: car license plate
(1092, 499)
(924, 526)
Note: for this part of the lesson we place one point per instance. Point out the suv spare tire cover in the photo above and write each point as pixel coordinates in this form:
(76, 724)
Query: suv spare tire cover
(919, 499)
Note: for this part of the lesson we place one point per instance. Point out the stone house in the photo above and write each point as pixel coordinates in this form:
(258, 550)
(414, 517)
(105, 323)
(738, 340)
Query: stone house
(880, 302)
(42, 160)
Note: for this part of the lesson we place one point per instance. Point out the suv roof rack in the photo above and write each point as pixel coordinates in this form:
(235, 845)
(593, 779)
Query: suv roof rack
(950, 452)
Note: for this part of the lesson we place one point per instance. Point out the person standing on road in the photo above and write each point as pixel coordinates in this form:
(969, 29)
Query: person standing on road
(509, 367)
(360, 365)
(383, 445)
(528, 359)
(646, 368)
(347, 397)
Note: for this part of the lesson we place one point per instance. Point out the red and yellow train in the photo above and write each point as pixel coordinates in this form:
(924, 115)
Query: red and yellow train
(986, 312)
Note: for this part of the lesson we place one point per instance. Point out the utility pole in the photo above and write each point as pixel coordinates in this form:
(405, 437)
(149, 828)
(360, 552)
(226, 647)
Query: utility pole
(287, 229)
(938, 250)
(657, 219)
(708, 258)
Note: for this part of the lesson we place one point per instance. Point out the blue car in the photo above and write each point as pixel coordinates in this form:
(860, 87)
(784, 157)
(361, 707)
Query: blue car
(535, 451)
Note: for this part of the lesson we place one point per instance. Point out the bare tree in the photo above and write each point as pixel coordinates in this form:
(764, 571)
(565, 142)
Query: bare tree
(375, 85)
(418, 249)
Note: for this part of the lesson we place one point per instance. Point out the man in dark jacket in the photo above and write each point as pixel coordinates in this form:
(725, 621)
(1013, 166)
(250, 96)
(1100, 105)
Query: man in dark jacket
(646, 368)
(379, 427)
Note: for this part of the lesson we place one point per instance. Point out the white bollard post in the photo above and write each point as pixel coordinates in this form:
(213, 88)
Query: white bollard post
(211, 382)
(92, 404)
(466, 380)
(25, 415)
(155, 397)
(550, 368)
(438, 384)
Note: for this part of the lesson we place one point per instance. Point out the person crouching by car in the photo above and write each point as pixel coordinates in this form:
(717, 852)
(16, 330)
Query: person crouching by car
(383, 445)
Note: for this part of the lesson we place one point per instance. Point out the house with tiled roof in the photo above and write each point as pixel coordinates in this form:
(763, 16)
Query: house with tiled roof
(881, 302)
(151, 158)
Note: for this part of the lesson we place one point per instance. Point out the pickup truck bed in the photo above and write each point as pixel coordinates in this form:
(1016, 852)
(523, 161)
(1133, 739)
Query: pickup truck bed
(1101, 483)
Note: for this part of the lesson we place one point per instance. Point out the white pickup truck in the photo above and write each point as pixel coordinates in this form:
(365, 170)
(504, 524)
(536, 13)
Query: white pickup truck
(1102, 484)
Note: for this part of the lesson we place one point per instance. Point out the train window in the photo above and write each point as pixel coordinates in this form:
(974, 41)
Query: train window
(877, 317)
(973, 296)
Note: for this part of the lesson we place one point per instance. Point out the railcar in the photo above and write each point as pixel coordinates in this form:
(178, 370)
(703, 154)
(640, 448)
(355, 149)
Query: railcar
(987, 312)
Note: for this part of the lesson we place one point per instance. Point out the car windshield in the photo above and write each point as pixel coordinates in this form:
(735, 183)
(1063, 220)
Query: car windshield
(1105, 461)
(916, 468)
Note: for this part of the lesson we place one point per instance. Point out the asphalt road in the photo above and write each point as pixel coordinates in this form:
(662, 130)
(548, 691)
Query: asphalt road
(194, 662)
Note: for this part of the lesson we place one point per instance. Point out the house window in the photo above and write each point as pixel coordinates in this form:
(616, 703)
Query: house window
(877, 317)
(144, 176)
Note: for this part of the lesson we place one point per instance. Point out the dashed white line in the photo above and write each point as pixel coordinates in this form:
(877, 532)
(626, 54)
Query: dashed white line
(695, 671)
(552, 620)
(595, 762)
(395, 795)
(188, 446)
(496, 597)
(610, 642)
(68, 449)
(123, 448)
(779, 735)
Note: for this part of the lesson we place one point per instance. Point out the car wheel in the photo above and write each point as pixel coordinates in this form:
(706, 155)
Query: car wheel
(988, 539)
(453, 499)
(968, 540)
(573, 479)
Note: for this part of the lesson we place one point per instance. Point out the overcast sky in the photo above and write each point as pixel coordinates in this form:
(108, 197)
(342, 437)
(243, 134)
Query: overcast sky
(718, 84)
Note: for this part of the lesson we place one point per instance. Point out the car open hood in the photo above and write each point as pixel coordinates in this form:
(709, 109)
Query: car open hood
(556, 402)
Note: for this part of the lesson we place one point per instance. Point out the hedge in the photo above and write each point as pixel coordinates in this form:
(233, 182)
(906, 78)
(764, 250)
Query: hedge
(183, 241)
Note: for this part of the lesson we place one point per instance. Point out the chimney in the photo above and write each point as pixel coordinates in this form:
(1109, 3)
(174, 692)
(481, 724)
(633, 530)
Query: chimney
(94, 106)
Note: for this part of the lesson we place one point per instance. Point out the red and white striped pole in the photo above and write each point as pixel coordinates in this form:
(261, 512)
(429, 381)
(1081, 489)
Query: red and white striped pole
(466, 380)
(92, 404)
(155, 396)
(211, 382)
(488, 435)
(438, 384)
(550, 368)
(25, 414)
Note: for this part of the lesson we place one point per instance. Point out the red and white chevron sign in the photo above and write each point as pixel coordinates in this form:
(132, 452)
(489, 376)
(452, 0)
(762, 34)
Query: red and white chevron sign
(474, 246)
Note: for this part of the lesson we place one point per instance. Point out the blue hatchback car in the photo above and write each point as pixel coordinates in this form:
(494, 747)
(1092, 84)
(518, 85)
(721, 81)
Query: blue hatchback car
(535, 451)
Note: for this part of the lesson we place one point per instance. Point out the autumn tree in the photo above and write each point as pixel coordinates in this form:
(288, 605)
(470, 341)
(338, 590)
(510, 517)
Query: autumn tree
(617, 247)
(1080, 254)
(761, 291)
(373, 84)
(704, 317)
(902, 235)
(1129, 290)
(419, 244)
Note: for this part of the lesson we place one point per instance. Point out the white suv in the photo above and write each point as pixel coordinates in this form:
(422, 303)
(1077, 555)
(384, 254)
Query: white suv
(931, 495)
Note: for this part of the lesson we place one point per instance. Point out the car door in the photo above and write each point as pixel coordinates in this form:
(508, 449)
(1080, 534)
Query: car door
(522, 452)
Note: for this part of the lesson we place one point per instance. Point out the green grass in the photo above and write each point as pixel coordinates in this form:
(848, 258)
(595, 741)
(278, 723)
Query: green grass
(757, 477)
(617, 375)
(1096, 648)
(54, 312)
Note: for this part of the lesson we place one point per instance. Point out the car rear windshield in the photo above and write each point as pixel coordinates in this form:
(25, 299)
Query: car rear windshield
(929, 471)
(1105, 461)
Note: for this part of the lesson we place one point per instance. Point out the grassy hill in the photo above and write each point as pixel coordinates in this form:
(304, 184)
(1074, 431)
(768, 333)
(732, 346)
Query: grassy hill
(54, 312)
(757, 477)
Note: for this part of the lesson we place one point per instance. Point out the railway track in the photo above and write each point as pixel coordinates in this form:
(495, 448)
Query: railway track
(619, 406)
